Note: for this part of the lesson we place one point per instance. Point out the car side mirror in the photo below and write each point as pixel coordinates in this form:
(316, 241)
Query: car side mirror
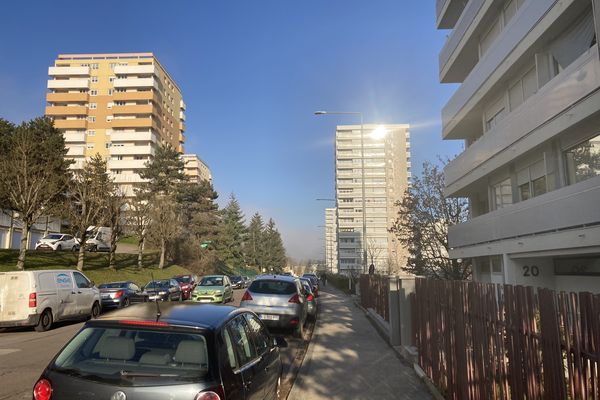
(92, 284)
(280, 342)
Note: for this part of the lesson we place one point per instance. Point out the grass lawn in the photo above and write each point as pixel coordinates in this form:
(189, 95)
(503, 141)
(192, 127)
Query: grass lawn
(128, 240)
(95, 266)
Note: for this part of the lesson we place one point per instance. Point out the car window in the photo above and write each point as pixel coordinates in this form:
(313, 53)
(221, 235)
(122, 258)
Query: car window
(81, 280)
(113, 285)
(134, 287)
(230, 349)
(260, 335)
(212, 281)
(241, 340)
(53, 236)
(273, 287)
(174, 283)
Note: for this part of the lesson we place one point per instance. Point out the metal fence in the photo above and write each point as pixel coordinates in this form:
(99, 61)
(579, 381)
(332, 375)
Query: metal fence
(375, 294)
(485, 341)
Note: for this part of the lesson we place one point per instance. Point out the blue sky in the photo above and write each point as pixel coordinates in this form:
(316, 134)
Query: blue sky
(252, 73)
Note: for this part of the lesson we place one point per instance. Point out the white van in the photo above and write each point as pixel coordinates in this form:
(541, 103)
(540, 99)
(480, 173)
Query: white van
(98, 238)
(39, 298)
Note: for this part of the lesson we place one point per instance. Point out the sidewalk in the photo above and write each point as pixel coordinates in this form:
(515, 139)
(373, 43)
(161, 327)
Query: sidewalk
(347, 359)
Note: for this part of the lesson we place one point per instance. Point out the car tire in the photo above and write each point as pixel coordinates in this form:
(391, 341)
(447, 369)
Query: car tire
(58, 248)
(74, 249)
(95, 310)
(126, 302)
(45, 321)
(299, 331)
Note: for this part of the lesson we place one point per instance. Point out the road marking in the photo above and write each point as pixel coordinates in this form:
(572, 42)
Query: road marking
(4, 352)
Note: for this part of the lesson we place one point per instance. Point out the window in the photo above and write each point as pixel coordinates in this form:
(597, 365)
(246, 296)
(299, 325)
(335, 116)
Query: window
(261, 337)
(502, 193)
(240, 336)
(573, 42)
(94, 66)
(523, 89)
(94, 79)
(532, 181)
(110, 92)
(583, 160)
(112, 79)
(81, 281)
(230, 349)
(107, 145)
(93, 92)
(93, 106)
(90, 146)
(91, 133)
(496, 264)
(91, 118)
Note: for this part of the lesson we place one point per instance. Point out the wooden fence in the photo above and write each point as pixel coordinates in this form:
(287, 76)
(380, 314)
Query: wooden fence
(484, 341)
(375, 294)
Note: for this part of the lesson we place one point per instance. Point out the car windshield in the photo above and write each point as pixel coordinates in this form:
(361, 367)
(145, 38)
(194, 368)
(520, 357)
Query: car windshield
(157, 285)
(212, 281)
(53, 236)
(114, 285)
(184, 279)
(272, 287)
(135, 357)
(235, 279)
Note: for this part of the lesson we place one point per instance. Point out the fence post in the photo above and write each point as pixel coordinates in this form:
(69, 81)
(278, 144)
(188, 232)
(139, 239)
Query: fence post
(401, 310)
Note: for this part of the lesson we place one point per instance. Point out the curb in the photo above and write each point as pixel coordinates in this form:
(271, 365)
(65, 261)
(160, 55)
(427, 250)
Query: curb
(306, 361)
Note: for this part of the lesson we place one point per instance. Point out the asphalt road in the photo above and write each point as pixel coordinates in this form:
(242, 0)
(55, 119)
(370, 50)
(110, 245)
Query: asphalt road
(24, 353)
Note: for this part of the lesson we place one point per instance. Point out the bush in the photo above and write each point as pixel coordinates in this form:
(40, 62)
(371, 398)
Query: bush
(340, 282)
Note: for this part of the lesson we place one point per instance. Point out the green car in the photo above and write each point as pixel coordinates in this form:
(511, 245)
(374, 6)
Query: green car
(213, 289)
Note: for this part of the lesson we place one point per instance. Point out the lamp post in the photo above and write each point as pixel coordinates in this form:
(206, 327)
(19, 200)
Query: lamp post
(362, 169)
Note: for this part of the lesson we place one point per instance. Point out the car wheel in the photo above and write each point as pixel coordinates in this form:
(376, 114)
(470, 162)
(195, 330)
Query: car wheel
(125, 302)
(58, 248)
(74, 248)
(299, 331)
(95, 310)
(45, 321)
(94, 248)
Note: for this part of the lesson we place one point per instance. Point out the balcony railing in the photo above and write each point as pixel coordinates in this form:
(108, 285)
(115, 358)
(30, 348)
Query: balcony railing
(132, 150)
(70, 123)
(74, 137)
(69, 71)
(76, 151)
(569, 206)
(136, 83)
(132, 136)
(68, 83)
(136, 69)
(127, 164)
(133, 109)
(66, 97)
(66, 110)
(448, 12)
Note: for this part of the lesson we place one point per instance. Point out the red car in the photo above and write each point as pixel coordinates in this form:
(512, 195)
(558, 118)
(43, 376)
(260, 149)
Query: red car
(187, 285)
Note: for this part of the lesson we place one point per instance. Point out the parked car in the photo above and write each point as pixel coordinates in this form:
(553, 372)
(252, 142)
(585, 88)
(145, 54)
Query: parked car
(315, 283)
(163, 290)
(213, 289)
(279, 302)
(187, 284)
(40, 298)
(311, 299)
(121, 294)
(247, 281)
(222, 352)
(57, 241)
(98, 238)
(236, 282)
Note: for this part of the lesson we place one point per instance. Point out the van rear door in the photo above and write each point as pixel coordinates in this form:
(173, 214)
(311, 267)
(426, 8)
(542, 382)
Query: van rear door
(15, 288)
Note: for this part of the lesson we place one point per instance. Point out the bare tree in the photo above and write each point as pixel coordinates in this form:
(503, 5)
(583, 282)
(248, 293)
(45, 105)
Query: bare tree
(374, 250)
(424, 215)
(33, 172)
(138, 220)
(115, 205)
(165, 223)
(86, 200)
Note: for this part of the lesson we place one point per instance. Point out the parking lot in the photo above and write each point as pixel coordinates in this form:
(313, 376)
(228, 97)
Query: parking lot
(24, 353)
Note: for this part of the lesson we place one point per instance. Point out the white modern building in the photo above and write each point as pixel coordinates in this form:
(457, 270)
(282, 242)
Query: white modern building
(331, 244)
(384, 163)
(528, 112)
(11, 228)
(196, 169)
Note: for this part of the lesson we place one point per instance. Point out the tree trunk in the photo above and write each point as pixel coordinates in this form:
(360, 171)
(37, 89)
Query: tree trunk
(23, 246)
(163, 248)
(81, 255)
(140, 253)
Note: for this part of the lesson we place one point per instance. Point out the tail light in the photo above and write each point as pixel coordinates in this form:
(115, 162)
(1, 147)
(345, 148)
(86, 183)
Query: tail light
(216, 393)
(247, 296)
(32, 300)
(118, 294)
(294, 322)
(294, 299)
(310, 297)
(42, 390)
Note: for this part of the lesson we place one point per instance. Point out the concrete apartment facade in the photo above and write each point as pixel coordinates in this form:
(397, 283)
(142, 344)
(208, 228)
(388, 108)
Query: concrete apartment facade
(196, 169)
(331, 244)
(386, 158)
(528, 111)
(121, 106)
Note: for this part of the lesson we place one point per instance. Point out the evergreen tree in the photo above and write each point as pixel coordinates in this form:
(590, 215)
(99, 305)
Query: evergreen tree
(232, 236)
(275, 257)
(164, 172)
(254, 248)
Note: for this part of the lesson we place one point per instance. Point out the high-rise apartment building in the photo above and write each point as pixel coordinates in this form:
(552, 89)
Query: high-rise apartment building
(331, 245)
(121, 106)
(386, 159)
(528, 112)
(196, 169)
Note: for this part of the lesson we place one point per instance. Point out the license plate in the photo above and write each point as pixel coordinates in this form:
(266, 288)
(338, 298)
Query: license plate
(153, 297)
(204, 301)
(270, 317)
(105, 296)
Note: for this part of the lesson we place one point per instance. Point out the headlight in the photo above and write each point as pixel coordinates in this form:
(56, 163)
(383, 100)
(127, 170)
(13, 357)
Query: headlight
(161, 293)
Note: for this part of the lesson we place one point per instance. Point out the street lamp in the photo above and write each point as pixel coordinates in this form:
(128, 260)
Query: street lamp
(362, 169)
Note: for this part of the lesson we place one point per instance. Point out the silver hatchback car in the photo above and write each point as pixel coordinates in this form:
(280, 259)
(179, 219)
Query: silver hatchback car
(279, 301)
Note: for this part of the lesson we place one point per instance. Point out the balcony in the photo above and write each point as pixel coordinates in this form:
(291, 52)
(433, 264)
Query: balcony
(462, 114)
(132, 150)
(66, 110)
(127, 178)
(181, 138)
(68, 84)
(74, 137)
(182, 105)
(126, 164)
(448, 12)
(76, 151)
(133, 137)
(70, 123)
(133, 109)
(181, 126)
(181, 116)
(135, 123)
(569, 206)
(66, 97)
(69, 71)
(136, 83)
(564, 101)
(142, 95)
(136, 70)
